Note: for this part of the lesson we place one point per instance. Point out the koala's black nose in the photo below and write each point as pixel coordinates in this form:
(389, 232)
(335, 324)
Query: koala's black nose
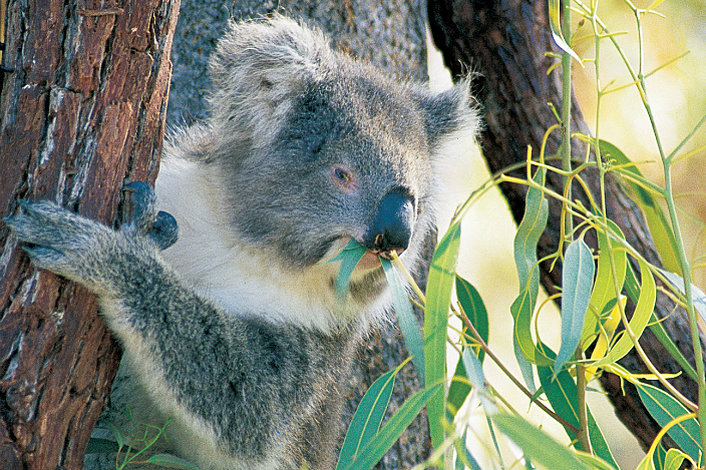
(391, 227)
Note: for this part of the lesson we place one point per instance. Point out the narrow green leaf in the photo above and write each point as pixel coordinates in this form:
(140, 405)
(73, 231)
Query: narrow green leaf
(633, 289)
(594, 462)
(555, 25)
(436, 312)
(522, 309)
(537, 445)
(533, 223)
(562, 393)
(474, 372)
(171, 461)
(464, 457)
(371, 453)
(604, 288)
(643, 313)
(349, 257)
(473, 306)
(411, 331)
(657, 221)
(599, 442)
(577, 281)
(367, 418)
(664, 408)
(101, 446)
(660, 333)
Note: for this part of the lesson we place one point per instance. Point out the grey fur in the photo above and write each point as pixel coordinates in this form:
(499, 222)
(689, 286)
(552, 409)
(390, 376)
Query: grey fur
(235, 332)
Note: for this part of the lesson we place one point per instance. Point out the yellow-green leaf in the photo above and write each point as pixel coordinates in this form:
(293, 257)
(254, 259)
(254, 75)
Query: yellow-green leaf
(640, 318)
(555, 25)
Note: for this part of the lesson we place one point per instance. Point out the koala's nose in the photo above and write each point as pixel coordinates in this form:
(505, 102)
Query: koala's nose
(391, 227)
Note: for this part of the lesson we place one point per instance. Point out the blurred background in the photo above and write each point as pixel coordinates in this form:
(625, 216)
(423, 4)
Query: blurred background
(677, 94)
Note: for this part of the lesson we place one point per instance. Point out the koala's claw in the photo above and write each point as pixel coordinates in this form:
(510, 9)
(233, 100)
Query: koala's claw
(160, 226)
(142, 202)
(165, 231)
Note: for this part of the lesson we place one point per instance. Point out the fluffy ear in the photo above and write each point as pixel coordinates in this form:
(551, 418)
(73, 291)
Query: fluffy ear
(262, 63)
(449, 114)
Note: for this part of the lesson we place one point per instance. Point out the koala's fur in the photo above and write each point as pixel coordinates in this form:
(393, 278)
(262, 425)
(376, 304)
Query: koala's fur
(236, 332)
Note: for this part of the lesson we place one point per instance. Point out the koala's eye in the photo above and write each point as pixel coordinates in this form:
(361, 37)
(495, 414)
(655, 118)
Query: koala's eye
(343, 177)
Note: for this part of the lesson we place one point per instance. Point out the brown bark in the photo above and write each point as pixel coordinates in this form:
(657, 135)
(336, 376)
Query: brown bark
(82, 112)
(505, 42)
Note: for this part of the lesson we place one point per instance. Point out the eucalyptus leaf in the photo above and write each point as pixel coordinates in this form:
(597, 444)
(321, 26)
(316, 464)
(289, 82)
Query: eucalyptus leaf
(664, 408)
(411, 331)
(367, 418)
(638, 322)
(537, 445)
(349, 257)
(371, 453)
(436, 312)
(577, 282)
(171, 461)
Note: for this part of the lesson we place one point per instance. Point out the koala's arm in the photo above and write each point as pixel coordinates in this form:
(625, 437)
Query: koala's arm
(239, 379)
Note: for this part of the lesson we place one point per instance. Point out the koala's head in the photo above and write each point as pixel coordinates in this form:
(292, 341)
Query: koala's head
(318, 148)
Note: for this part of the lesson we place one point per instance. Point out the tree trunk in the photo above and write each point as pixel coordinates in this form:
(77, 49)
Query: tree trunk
(81, 111)
(390, 35)
(505, 42)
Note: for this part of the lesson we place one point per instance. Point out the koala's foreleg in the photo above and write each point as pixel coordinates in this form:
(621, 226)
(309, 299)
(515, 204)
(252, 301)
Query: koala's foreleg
(235, 381)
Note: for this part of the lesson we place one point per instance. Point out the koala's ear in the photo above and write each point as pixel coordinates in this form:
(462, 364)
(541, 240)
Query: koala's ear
(262, 63)
(449, 113)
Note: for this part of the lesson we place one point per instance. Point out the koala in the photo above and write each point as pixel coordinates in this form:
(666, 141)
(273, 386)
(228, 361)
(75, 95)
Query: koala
(233, 329)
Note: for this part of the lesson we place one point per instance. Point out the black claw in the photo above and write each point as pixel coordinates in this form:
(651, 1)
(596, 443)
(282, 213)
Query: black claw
(166, 230)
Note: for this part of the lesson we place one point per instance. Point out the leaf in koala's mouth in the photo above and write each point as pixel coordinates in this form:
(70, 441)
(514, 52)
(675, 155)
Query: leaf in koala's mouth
(349, 257)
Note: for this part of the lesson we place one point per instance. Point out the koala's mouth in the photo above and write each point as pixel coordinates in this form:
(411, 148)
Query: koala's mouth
(370, 259)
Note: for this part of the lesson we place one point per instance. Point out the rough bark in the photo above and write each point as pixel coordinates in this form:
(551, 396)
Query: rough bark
(81, 112)
(505, 42)
(389, 35)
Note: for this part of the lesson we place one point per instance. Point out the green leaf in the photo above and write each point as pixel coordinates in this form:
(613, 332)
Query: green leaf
(643, 313)
(475, 310)
(436, 313)
(349, 257)
(368, 416)
(474, 372)
(533, 223)
(555, 25)
(604, 288)
(101, 446)
(464, 458)
(562, 393)
(657, 221)
(371, 453)
(171, 461)
(522, 309)
(664, 408)
(674, 459)
(411, 332)
(577, 281)
(633, 289)
(537, 445)
(594, 462)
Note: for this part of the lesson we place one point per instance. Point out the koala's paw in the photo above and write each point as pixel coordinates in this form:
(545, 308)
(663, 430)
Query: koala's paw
(160, 226)
(62, 241)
